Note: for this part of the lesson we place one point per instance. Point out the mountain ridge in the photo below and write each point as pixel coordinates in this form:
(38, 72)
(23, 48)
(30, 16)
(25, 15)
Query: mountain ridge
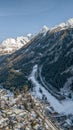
(52, 50)
(10, 45)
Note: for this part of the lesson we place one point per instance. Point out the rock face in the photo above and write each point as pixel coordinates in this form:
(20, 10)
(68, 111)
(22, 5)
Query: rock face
(52, 51)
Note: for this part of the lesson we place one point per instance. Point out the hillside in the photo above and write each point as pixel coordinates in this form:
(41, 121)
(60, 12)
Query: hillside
(52, 51)
(40, 72)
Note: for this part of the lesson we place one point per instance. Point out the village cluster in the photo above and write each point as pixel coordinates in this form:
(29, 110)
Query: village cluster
(24, 112)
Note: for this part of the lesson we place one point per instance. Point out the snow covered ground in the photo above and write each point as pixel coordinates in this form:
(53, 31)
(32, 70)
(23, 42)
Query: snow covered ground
(65, 106)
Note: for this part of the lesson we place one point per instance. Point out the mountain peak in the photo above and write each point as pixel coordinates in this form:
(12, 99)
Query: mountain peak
(10, 45)
(64, 25)
(45, 28)
(70, 22)
(30, 36)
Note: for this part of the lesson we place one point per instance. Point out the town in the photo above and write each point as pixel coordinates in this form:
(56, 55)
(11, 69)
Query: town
(21, 111)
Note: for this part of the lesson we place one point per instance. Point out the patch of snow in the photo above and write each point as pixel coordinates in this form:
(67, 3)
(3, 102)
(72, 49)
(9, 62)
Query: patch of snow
(30, 36)
(69, 69)
(17, 71)
(24, 39)
(64, 25)
(69, 22)
(65, 106)
(44, 30)
(66, 90)
(69, 122)
(10, 45)
(61, 25)
(36, 91)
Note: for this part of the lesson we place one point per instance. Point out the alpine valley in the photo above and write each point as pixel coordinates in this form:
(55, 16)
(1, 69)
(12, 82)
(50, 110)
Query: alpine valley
(42, 64)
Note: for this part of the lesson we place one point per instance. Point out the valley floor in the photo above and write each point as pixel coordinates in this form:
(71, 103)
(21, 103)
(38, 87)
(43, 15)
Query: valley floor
(63, 107)
(23, 112)
(37, 110)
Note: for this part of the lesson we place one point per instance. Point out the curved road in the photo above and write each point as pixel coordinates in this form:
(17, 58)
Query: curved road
(62, 107)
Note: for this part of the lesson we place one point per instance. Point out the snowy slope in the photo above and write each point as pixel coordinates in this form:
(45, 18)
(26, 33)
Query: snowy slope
(64, 25)
(44, 29)
(63, 107)
(10, 45)
(53, 51)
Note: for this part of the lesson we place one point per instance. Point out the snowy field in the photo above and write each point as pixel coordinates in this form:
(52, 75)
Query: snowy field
(63, 107)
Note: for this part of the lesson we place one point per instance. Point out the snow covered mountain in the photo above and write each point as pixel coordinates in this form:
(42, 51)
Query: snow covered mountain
(64, 25)
(45, 65)
(10, 45)
(44, 29)
(52, 51)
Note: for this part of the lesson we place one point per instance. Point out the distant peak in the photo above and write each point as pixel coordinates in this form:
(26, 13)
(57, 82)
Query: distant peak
(29, 35)
(45, 28)
(64, 25)
(70, 21)
(10, 45)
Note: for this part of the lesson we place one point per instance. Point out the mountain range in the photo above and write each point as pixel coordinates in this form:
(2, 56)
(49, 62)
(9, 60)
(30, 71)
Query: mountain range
(50, 49)
(10, 45)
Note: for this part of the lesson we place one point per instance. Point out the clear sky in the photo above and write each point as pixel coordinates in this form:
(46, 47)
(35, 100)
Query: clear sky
(19, 17)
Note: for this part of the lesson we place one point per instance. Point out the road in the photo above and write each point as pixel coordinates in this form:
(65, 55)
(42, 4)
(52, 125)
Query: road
(37, 86)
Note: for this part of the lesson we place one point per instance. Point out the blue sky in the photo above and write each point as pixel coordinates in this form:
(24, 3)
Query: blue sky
(19, 17)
